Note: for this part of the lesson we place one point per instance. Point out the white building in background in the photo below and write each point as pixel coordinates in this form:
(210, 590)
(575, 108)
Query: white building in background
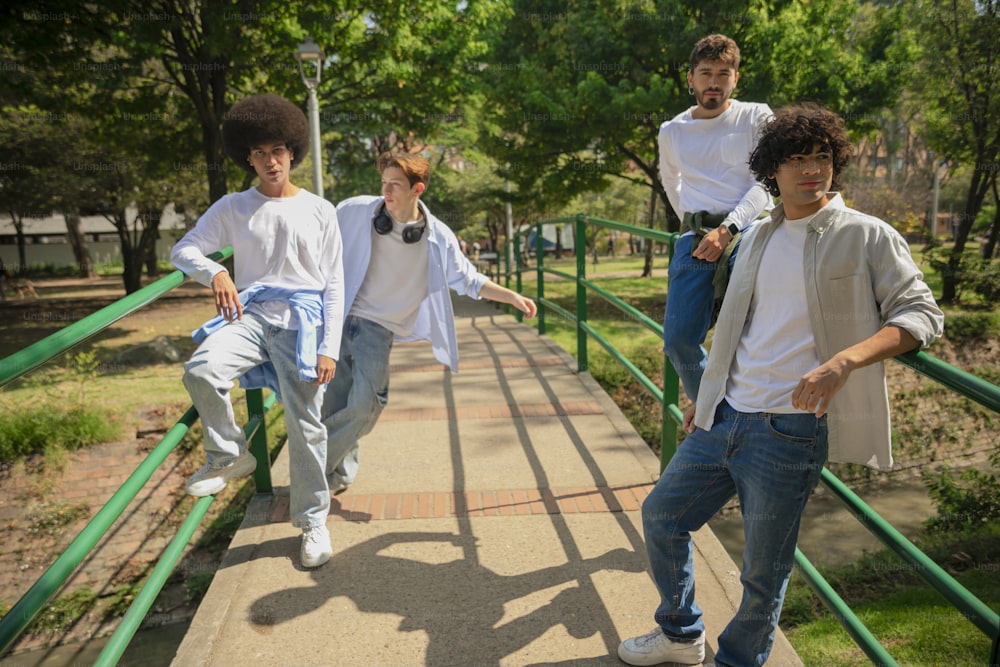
(46, 241)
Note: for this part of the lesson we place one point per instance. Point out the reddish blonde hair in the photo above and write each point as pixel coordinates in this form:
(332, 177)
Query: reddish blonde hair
(416, 167)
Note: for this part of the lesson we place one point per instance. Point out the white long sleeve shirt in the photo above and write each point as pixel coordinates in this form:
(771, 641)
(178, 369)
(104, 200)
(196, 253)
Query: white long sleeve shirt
(287, 242)
(704, 163)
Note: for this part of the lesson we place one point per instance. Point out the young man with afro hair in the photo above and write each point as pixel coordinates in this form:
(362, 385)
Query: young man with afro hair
(279, 314)
(820, 296)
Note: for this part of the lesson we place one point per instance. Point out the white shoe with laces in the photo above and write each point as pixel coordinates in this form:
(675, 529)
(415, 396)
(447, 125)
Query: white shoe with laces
(209, 480)
(316, 548)
(654, 647)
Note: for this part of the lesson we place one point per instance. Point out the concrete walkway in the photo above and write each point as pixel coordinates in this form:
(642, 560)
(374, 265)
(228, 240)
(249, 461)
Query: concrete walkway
(495, 521)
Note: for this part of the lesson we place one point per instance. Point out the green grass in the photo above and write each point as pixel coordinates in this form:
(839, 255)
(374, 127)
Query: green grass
(915, 624)
(40, 429)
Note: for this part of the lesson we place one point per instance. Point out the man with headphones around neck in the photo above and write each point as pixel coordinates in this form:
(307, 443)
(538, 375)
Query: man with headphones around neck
(399, 264)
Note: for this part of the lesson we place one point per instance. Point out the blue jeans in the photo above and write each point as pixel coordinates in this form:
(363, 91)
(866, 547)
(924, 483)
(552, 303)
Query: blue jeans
(771, 463)
(208, 376)
(359, 391)
(688, 314)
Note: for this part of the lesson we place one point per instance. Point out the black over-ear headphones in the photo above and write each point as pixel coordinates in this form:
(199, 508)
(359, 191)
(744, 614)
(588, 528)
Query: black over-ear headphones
(383, 225)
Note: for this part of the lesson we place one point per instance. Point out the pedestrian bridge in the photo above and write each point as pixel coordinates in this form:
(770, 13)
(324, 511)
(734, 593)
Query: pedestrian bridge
(495, 521)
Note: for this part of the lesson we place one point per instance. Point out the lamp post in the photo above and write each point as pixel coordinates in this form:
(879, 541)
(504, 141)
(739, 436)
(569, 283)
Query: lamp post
(310, 51)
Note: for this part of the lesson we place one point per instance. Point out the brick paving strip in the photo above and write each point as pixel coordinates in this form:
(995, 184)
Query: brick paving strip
(493, 502)
(498, 502)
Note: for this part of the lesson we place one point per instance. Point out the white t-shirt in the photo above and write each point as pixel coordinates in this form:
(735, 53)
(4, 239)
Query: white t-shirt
(396, 281)
(777, 346)
(704, 162)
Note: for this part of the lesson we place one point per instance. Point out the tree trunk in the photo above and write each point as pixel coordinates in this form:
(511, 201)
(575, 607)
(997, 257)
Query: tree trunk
(951, 279)
(22, 250)
(990, 247)
(131, 260)
(74, 231)
(152, 231)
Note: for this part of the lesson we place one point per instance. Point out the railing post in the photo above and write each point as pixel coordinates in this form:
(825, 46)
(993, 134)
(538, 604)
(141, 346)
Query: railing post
(517, 274)
(258, 441)
(580, 250)
(540, 270)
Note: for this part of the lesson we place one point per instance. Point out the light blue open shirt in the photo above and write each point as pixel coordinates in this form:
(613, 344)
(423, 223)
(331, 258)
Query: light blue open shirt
(308, 308)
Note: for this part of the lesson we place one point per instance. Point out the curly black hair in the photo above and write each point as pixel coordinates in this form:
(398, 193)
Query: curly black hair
(261, 119)
(797, 130)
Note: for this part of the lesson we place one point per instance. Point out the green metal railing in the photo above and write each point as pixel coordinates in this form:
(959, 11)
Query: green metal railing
(20, 616)
(669, 394)
(966, 384)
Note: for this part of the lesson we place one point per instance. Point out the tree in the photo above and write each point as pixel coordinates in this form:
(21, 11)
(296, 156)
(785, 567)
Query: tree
(395, 78)
(957, 92)
(580, 91)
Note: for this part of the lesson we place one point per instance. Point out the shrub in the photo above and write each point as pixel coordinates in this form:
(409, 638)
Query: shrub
(37, 430)
(986, 283)
(972, 500)
(960, 327)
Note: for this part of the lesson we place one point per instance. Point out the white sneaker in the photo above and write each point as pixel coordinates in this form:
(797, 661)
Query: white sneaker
(210, 480)
(316, 548)
(655, 647)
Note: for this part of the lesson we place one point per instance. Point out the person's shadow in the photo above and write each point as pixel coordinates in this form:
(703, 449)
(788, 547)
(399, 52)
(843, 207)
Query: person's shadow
(458, 603)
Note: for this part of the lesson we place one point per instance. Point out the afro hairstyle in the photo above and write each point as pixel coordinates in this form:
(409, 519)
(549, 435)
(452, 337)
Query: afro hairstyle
(262, 119)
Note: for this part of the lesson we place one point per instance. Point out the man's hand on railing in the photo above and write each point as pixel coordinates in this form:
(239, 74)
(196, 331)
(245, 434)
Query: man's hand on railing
(227, 299)
(688, 424)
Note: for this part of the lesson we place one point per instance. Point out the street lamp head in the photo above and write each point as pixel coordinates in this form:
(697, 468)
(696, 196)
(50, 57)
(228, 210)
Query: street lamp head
(309, 51)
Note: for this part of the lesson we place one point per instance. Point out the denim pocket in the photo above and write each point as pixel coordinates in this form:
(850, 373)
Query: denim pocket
(799, 428)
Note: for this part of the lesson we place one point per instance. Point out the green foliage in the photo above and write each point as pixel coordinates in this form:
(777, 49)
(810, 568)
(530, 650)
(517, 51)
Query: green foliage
(197, 585)
(957, 272)
(49, 519)
(64, 612)
(83, 367)
(970, 326)
(121, 599)
(62, 422)
(895, 603)
(971, 500)
(917, 626)
(40, 429)
(986, 282)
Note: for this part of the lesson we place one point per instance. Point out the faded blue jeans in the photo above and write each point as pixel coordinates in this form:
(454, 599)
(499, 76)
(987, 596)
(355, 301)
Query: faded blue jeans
(357, 394)
(209, 376)
(687, 316)
(771, 463)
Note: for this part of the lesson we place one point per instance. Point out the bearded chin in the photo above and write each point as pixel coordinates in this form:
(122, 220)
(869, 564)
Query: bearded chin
(711, 102)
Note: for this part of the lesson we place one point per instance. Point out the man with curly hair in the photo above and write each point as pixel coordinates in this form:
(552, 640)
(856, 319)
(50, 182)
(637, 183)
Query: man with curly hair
(279, 314)
(820, 296)
(703, 167)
